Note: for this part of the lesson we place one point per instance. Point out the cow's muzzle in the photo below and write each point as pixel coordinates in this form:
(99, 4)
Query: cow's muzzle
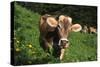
(63, 43)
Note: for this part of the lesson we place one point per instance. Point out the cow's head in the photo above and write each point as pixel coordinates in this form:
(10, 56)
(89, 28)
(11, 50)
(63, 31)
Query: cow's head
(64, 27)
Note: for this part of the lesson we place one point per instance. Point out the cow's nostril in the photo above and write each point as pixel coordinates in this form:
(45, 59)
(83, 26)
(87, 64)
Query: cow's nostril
(67, 41)
(64, 41)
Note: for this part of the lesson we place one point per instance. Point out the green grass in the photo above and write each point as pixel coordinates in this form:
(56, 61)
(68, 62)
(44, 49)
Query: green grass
(83, 47)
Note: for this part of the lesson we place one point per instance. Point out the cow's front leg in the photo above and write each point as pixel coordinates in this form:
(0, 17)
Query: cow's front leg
(62, 53)
(50, 47)
(46, 44)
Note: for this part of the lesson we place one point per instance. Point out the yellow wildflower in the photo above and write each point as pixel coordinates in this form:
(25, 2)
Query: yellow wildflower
(14, 38)
(30, 46)
(17, 41)
(17, 49)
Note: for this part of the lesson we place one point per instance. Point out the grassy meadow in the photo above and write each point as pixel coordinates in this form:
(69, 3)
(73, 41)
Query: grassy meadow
(27, 50)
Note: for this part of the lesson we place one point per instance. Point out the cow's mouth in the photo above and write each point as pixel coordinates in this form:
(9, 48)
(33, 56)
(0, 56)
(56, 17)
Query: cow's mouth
(63, 42)
(65, 46)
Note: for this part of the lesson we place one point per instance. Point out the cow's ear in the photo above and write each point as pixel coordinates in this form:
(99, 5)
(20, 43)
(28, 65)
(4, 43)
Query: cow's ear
(76, 27)
(52, 22)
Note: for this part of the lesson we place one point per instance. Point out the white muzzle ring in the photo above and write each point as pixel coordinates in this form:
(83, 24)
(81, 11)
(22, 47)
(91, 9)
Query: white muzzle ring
(62, 39)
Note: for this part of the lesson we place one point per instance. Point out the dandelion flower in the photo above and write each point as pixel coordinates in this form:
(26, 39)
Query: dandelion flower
(17, 49)
(17, 41)
(30, 46)
(14, 38)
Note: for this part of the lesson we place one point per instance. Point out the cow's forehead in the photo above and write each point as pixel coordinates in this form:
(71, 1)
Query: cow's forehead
(62, 17)
(69, 19)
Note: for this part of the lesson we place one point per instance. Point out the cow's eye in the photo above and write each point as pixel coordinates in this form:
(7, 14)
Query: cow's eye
(58, 26)
(67, 41)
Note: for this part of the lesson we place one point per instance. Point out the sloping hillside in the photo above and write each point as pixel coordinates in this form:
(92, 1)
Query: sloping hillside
(26, 42)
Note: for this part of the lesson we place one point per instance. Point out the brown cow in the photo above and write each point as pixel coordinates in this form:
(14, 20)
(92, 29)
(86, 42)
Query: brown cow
(55, 33)
(85, 29)
(92, 30)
